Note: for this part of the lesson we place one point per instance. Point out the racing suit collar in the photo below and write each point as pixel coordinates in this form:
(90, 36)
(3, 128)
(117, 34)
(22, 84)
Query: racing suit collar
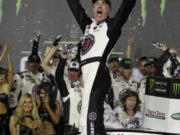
(99, 22)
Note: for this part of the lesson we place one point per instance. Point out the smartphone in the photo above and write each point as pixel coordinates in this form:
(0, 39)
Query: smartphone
(57, 39)
(38, 36)
(156, 43)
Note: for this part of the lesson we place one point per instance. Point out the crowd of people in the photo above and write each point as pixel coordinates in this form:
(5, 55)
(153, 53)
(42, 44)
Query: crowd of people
(70, 93)
(48, 95)
(128, 77)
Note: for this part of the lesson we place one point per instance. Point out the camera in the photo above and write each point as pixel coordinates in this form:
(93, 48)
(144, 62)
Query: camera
(69, 49)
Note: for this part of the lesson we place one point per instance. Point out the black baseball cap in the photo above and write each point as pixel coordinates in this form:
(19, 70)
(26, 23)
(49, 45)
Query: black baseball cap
(113, 58)
(34, 58)
(107, 1)
(126, 63)
(151, 61)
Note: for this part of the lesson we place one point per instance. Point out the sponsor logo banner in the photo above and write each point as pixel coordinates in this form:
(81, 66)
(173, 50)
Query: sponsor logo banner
(93, 116)
(155, 114)
(158, 86)
(163, 87)
(131, 133)
(176, 116)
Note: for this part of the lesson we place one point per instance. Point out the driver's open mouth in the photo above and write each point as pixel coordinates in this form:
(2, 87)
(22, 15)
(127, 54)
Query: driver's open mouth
(99, 12)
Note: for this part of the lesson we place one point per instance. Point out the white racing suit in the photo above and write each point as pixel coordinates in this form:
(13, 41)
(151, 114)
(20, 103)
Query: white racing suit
(116, 119)
(25, 82)
(120, 85)
(71, 94)
(134, 121)
(99, 38)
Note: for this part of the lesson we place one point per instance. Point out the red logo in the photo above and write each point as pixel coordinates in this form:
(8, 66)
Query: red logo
(87, 44)
(93, 116)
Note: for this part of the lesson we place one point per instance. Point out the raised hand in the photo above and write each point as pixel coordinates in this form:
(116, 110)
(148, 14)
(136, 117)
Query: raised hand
(57, 39)
(36, 39)
(162, 46)
(64, 54)
(46, 101)
(174, 51)
(131, 40)
(6, 47)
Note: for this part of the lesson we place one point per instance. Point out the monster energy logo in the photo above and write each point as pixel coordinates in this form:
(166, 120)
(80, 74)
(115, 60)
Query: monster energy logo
(144, 12)
(151, 84)
(176, 88)
(175, 116)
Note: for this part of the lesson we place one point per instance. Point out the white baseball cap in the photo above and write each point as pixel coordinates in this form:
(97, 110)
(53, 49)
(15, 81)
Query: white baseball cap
(74, 65)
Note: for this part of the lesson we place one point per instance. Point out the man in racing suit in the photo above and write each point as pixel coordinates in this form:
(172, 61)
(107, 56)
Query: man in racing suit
(71, 92)
(100, 36)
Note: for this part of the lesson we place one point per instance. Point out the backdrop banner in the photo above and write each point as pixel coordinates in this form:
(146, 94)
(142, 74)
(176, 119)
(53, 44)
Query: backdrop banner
(134, 132)
(162, 104)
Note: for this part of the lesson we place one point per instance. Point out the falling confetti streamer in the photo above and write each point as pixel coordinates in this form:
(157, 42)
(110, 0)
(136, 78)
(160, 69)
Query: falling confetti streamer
(18, 6)
(143, 11)
(163, 6)
(1, 10)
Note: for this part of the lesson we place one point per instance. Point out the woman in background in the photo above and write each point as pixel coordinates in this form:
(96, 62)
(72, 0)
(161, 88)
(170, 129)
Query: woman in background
(6, 79)
(130, 115)
(49, 108)
(25, 120)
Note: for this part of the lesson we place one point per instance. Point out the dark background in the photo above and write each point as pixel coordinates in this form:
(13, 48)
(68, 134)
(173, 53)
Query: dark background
(20, 20)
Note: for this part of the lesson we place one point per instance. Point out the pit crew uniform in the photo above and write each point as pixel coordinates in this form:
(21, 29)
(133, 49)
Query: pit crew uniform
(71, 93)
(25, 82)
